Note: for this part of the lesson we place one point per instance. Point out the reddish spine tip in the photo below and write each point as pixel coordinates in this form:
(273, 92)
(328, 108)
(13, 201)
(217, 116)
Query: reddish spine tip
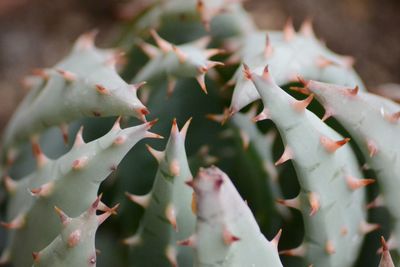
(95, 204)
(101, 89)
(190, 183)
(352, 92)
(144, 111)
(384, 244)
(139, 85)
(151, 123)
(246, 71)
(218, 183)
(35, 256)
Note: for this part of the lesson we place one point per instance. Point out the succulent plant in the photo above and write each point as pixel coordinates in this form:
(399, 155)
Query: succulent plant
(296, 176)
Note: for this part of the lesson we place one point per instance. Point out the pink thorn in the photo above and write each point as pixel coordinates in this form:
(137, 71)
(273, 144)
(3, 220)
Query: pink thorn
(139, 85)
(203, 42)
(275, 240)
(286, 155)
(330, 145)
(9, 184)
(86, 40)
(170, 214)
(377, 202)
(67, 75)
(117, 124)
(153, 135)
(218, 183)
(313, 198)
(41, 159)
(211, 64)
(323, 62)
(190, 242)
(148, 49)
(348, 61)
(43, 190)
(301, 90)
(372, 148)
(220, 118)
(143, 200)
(288, 30)
(201, 80)
(268, 47)
(190, 183)
(64, 132)
(366, 228)
(79, 138)
(151, 123)
(63, 217)
(42, 73)
(354, 183)
(171, 86)
(247, 72)
(306, 28)
(390, 244)
(158, 155)
(303, 81)
(266, 74)
(36, 256)
(291, 203)
(17, 223)
(11, 156)
(352, 92)
(144, 111)
(213, 51)
(174, 129)
(300, 106)
(102, 90)
(101, 218)
(264, 115)
(161, 43)
(180, 54)
(384, 245)
(185, 127)
(132, 241)
(245, 138)
(172, 256)
(393, 118)
(228, 237)
(300, 251)
(80, 163)
(95, 204)
(328, 113)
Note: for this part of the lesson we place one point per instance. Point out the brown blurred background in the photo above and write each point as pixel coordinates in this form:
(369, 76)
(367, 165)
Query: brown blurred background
(37, 33)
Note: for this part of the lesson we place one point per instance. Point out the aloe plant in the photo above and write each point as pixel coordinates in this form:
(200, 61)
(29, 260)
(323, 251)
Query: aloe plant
(293, 187)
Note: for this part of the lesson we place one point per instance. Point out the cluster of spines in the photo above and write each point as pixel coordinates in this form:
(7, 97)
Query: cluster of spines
(202, 12)
(315, 61)
(55, 182)
(317, 206)
(366, 117)
(330, 145)
(168, 214)
(75, 245)
(80, 90)
(226, 231)
(174, 61)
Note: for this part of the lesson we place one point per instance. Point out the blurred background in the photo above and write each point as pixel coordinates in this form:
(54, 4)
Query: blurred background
(37, 33)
